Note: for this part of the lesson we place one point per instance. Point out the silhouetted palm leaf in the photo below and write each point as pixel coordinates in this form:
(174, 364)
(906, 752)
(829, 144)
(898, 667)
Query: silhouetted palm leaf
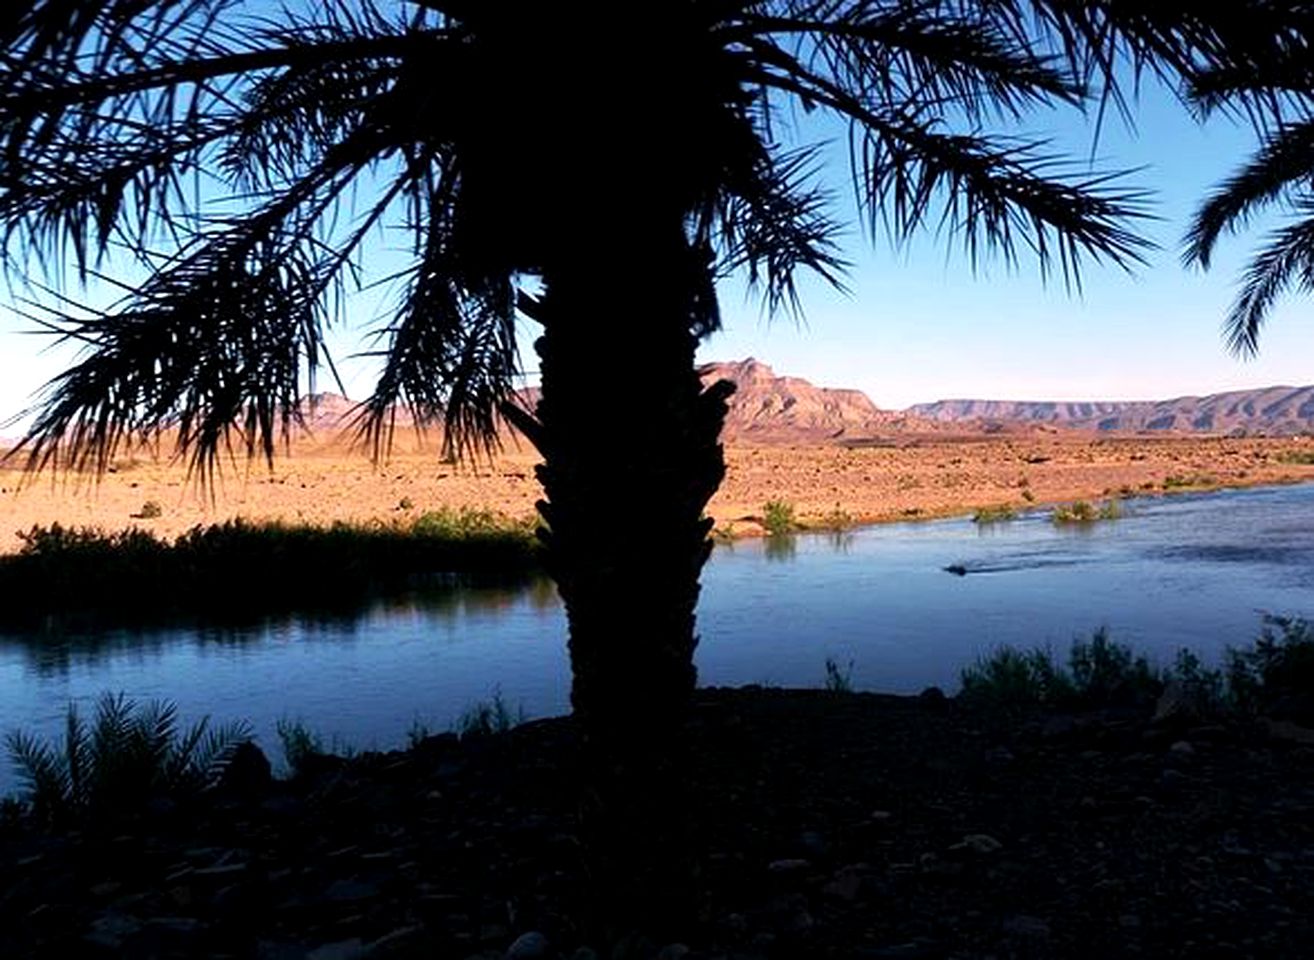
(108, 112)
(129, 754)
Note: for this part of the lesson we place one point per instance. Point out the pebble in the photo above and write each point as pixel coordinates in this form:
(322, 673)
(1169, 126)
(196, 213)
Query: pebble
(529, 946)
(339, 950)
(981, 843)
(1022, 925)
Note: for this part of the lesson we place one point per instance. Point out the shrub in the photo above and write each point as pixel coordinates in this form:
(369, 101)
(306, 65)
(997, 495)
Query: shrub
(1303, 458)
(839, 680)
(837, 520)
(1104, 672)
(1083, 511)
(778, 518)
(488, 717)
(995, 514)
(1011, 678)
(1177, 481)
(1099, 673)
(127, 756)
(1277, 670)
(301, 745)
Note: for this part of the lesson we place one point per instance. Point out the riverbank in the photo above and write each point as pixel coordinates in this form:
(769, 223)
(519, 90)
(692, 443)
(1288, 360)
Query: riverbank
(826, 825)
(827, 485)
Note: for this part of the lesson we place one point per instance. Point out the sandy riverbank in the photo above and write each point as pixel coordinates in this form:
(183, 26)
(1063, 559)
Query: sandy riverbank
(911, 479)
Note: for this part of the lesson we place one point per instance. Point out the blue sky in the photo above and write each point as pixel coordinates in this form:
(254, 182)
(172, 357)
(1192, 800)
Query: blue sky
(919, 325)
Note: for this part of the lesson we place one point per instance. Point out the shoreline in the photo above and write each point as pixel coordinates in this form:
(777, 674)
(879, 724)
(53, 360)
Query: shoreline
(828, 486)
(752, 528)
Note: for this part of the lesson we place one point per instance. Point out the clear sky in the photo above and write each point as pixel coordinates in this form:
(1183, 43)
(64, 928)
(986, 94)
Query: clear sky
(918, 325)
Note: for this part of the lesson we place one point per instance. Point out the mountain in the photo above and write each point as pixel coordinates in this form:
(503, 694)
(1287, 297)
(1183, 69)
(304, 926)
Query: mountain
(772, 409)
(1268, 410)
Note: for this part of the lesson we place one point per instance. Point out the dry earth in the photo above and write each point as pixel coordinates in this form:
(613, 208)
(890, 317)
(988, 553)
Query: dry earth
(320, 482)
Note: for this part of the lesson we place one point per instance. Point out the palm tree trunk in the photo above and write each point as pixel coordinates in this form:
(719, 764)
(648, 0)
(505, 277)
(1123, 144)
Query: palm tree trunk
(631, 454)
(631, 457)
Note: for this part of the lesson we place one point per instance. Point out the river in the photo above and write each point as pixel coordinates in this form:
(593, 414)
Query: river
(1188, 570)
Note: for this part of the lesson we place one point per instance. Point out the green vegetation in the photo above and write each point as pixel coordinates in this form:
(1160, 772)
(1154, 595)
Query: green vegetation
(995, 514)
(1304, 458)
(488, 717)
(778, 518)
(1181, 481)
(150, 510)
(1083, 511)
(1099, 673)
(127, 757)
(301, 745)
(235, 570)
(836, 521)
(839, 680)
(1273, 674)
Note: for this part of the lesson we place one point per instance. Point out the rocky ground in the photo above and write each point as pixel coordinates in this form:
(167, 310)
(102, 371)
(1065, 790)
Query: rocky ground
(825, 824)
(908, 477)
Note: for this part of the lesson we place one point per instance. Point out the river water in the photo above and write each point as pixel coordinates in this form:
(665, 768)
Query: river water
(1190, 570)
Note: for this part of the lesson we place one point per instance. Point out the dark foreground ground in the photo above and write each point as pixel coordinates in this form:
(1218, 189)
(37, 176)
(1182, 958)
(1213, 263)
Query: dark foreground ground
(826, 825)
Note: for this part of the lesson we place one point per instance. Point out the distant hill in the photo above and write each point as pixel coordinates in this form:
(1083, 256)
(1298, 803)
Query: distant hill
(769, 408)
(1274, 411)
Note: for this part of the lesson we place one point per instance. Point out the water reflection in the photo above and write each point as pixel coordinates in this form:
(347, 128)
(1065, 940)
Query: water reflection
(780, 547)
(437, 600)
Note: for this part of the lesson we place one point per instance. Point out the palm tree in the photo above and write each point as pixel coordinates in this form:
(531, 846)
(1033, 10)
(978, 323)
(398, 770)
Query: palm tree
(595, 172)
(1275, 89)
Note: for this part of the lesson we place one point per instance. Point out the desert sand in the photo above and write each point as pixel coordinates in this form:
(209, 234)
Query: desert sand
(321, 482)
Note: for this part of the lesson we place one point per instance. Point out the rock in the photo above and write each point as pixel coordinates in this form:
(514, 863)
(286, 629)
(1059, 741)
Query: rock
(584, 953)
(248, 771)
(846, 885)
(673, 951)
(981, 844)
(350, 891)
(111, 929)
(351, 949)
(529, 946)
(1022, 925)
(1182, 748)
(1289, 732)
(813, 843)
(788, 865)
(913, 950)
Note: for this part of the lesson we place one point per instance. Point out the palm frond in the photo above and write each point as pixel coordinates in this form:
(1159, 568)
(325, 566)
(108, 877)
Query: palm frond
(773, 221)
(43, 776)
(1283, 163)
(897, 54)
(1285, 261)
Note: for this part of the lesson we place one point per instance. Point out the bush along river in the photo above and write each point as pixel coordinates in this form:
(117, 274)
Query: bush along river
(897, 608)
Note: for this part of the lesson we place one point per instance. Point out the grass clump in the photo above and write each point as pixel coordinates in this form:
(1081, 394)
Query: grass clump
(1099, 673)
(839, 679)
(239, 569)
(127, 756)
(999, 513)
(1300, 458)
(150, 510)
(1273, 676)
(1083, 511)
(1276, 673)
(778, 518)
(488, 717)
(1180, 481)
